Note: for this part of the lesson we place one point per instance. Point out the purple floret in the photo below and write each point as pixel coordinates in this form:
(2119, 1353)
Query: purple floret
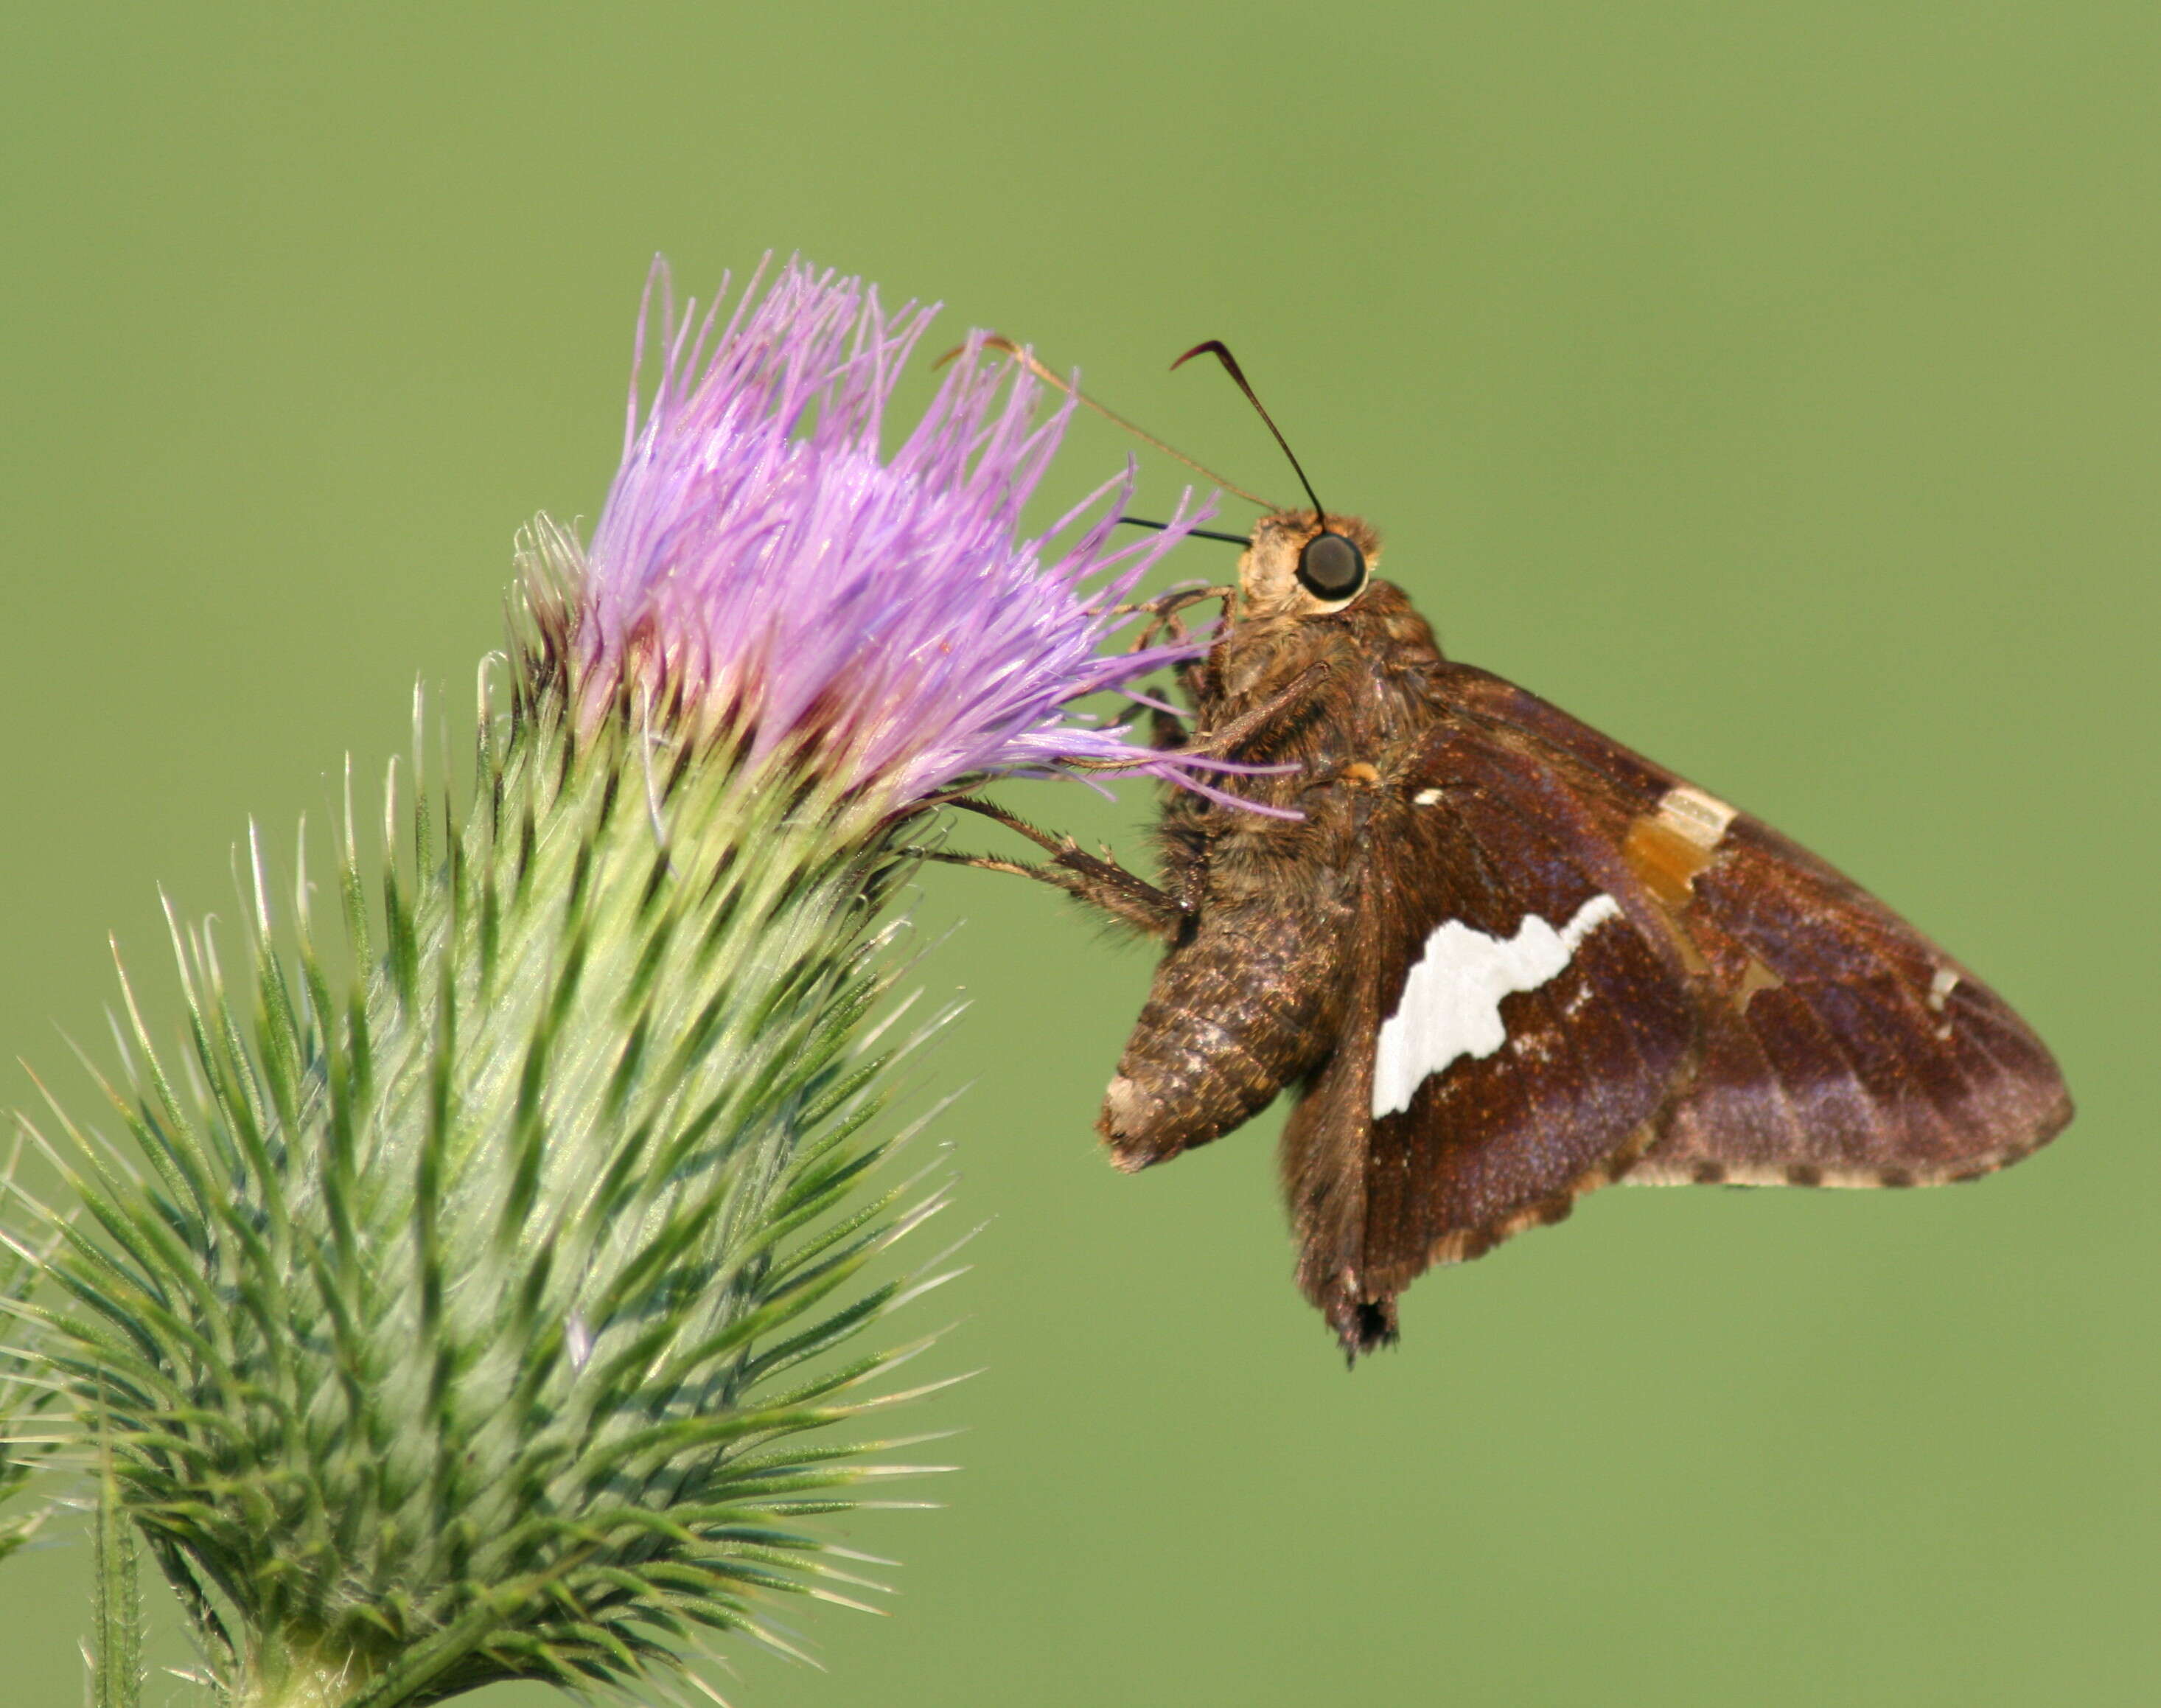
(879, 619)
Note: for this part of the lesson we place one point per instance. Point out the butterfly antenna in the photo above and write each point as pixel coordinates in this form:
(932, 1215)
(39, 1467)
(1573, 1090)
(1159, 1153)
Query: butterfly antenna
(1026, 357)
(1216, 348)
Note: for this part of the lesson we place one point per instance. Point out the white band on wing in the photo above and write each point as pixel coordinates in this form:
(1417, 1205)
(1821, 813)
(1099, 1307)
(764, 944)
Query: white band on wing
(1451, 1002)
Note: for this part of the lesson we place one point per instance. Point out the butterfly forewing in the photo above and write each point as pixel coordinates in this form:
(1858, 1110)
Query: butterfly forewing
(1521, 1020)
(1575, 967)
(1840, 1047)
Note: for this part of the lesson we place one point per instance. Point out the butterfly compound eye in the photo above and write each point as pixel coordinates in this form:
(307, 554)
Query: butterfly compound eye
(1331, 567)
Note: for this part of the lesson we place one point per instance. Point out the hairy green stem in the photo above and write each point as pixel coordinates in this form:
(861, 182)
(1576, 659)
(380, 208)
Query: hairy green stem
(115, 1646)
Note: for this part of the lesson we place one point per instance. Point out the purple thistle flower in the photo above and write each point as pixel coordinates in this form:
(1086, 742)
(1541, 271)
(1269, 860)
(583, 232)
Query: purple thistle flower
(879, 621)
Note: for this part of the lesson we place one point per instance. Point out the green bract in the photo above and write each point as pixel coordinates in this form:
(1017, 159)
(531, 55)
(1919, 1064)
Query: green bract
(22, 1394)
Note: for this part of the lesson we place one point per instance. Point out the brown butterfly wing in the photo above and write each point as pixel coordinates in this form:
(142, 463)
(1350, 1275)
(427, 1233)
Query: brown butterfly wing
(1840, 1046)
(1518, 1002)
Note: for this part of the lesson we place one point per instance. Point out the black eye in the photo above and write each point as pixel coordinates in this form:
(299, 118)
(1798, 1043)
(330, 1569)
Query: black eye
(1330, 567)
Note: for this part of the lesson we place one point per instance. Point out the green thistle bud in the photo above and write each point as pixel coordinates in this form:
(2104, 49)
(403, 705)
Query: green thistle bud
(472, 1322)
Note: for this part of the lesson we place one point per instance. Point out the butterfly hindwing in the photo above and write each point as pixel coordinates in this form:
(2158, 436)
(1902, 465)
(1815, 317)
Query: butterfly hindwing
(1842, 1048)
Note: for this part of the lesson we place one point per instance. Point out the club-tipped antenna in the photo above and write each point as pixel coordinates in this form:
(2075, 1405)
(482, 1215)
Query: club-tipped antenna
(1026, 357)
(1216, 348)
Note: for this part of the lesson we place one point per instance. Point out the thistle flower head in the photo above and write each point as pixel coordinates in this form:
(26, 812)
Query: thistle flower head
(764, 571)
(477, 1305)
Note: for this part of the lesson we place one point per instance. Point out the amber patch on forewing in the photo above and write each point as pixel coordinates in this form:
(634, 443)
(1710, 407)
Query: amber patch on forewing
(1666, 863)
(1667, 847)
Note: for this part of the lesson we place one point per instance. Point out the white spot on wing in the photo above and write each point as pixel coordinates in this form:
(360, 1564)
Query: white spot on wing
(1451, 1002)
(1940, 995)
(1426, 797)
(1696, 818)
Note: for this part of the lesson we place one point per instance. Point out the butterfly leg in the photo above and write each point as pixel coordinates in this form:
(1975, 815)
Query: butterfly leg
(1169, 729)
(1100, 883)
(1164, 612)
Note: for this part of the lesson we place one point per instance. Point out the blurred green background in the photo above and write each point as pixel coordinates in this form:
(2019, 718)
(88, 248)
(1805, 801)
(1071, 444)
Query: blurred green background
(1774, 385)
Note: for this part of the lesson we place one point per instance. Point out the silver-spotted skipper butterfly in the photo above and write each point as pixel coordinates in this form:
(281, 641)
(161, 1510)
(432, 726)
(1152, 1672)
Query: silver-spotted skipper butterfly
(1499, 960)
